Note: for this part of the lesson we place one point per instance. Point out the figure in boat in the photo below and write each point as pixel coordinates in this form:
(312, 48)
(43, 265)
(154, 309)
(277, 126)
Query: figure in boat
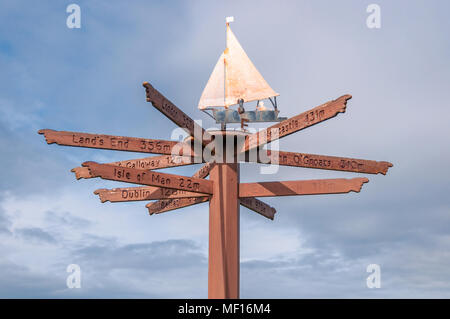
(235, 81)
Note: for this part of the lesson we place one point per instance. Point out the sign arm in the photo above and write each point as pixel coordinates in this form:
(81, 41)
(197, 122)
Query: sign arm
(129, 194)
(116, 143)
(175, 114)
(150, 178)
(303, 187)
(166, 205)
(146, 163)
(258, 206)
(334, 163)
(299, 122)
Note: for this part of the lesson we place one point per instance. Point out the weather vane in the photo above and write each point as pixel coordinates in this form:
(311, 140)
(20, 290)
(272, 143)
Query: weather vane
(234, 81)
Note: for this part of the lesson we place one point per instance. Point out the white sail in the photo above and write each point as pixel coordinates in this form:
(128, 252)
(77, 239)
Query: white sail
(214, 92)
(234, 77)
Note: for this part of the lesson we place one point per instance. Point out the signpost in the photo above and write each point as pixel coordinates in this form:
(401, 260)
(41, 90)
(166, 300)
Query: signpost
(223, 190)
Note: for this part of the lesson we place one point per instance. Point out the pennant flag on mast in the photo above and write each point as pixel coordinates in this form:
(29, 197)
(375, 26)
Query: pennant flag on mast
(234, 77)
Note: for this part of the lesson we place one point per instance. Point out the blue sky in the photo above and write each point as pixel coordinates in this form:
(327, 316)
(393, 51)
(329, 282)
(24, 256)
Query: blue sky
(89, 80)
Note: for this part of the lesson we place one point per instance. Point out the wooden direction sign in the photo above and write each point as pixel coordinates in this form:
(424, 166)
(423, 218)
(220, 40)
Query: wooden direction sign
(223, 190)
(258, 206)
(309, 187)
(128, 194)
(142, 177)
(110, 142)
(173, 113)
(148, 163)
(324, 162)
(294, 124)
(163, 206)
(176, 202)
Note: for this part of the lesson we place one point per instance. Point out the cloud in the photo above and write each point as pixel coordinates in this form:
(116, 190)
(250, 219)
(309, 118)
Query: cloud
(18, 281)
(34, 233)
(157, 269)
(5, 223)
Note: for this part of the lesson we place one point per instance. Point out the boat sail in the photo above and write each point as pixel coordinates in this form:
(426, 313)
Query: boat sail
(234, 78)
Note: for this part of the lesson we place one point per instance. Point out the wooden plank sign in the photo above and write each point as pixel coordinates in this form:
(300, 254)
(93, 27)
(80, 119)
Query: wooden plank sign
(294, 124)
(325, 162)
(172, 112)
(147, 163)
(110, 142)
(203, 172)
(307, 187)
(138, 176)
(258, 206)
(172, 204)
(128, 194)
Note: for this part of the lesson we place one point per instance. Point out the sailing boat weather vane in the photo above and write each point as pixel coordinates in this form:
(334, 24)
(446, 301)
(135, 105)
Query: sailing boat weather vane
(234, 82)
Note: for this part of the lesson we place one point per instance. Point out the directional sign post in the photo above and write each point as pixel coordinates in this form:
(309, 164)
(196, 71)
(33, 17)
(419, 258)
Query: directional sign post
(223, 190)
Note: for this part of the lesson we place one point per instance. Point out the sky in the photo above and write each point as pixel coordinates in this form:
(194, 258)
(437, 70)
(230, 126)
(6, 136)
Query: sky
(90, 80)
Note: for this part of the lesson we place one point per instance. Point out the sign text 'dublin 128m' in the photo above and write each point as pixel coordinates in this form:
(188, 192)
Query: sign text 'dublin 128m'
(127, 194)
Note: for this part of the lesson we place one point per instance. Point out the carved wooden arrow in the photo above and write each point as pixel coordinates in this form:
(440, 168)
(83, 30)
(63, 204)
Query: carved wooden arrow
(128, 194)
(143, 177)
(307, 187)
(294, 124)
(258, 206)
(176, 115)
(322, 162)
(172, 204)
(117, 143)
(148, 163)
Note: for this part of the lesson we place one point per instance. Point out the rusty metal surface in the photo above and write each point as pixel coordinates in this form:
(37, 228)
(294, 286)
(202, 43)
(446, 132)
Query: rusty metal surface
(258, 206)
(172, 112)
(163, 206)
(110, 142)
(146, 163)
(324, 162)
(294, 124)
(306, 187)
(129, 194)
(142, 177)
